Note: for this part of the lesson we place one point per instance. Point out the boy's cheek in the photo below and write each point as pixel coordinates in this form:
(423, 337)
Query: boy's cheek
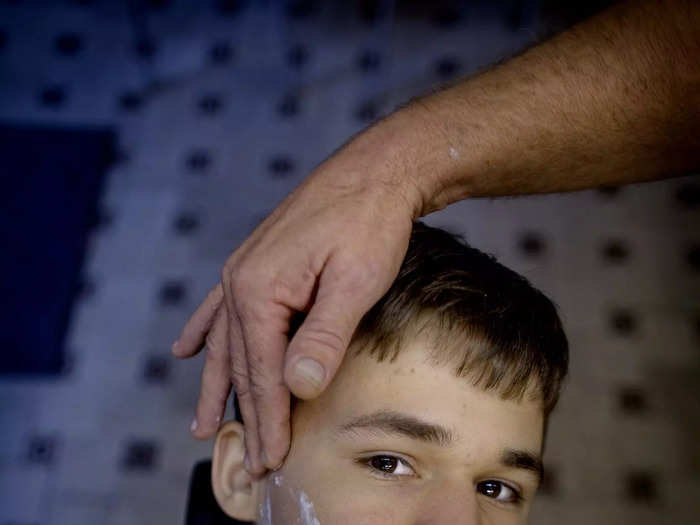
(286, 499)
(318, 496)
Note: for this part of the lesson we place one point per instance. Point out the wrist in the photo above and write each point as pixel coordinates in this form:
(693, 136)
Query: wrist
(400, 155)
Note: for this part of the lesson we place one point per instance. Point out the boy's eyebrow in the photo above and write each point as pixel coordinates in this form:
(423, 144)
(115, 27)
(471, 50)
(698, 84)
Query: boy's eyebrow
(524, 460)
(392, 422)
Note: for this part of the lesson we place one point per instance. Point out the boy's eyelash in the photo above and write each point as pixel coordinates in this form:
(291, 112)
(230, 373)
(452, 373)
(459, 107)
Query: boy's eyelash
(365, 462)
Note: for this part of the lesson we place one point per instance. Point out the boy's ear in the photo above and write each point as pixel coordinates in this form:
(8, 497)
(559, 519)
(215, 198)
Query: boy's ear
(234, 489)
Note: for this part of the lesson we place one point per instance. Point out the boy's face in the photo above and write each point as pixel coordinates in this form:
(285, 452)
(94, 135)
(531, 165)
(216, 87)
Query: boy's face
(372, 450)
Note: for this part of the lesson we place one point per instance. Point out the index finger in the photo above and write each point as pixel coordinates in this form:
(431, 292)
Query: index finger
(266, 342)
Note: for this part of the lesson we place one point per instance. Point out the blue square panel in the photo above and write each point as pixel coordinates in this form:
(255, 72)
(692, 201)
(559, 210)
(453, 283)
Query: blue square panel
(50, 184)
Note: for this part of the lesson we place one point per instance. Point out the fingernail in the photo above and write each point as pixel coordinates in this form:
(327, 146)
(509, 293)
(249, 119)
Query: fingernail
(246, 463)
(194, 425)
(173, 349)
(310, 370)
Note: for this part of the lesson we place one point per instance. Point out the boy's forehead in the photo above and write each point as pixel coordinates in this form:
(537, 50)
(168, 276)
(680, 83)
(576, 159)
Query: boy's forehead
(413, 386)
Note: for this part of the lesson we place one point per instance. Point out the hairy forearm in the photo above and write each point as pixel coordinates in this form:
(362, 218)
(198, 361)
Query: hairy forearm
(612, 100)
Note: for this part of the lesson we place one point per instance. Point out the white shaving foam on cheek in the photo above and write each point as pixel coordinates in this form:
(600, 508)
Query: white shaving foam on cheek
(308, 517)
(453, 153)
(265, 509)
(277, 479)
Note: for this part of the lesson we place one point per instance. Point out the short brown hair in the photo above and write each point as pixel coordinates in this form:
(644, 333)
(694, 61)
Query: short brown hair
(480, 316)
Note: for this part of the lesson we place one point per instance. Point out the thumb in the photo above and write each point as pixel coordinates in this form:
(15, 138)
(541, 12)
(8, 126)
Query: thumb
(317, 349)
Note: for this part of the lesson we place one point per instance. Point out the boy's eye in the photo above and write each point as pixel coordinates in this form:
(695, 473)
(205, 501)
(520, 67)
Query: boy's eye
(393, 467)
(498, 490)
(389, 466)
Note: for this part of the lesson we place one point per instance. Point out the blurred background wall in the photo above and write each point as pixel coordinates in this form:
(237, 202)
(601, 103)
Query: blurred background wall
(142, 141)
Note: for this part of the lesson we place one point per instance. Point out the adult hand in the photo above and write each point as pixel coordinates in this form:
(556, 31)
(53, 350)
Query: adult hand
(331, 249)
(597, 105)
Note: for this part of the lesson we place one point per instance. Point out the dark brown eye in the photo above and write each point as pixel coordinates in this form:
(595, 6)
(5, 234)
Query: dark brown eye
(388, 466)
(490, 488)
(384, 463)
(499, 491)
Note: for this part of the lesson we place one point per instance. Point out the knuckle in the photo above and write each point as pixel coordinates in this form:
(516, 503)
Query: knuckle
(356, 275)
(239, 379)
(234, 273)
(238, 273)
(244, 394)
(210, 341)
(227, 274)
(252, 308)
(319, 335)
(261, 382)
(263, 390)
(215, 353)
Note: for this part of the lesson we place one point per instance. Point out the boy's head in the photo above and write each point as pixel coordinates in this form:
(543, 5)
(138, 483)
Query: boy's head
(437, 413)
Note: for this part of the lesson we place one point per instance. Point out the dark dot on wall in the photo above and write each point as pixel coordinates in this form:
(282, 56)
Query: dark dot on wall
(130, 101)
(221, 53)
(156, 369)
(447, 17)
(640, 487)
(145, 48)
(172, 293)
(623, 322)
(198, 161)
(289, 105)
(688, 195)
(209, 104)
(297, 56)
(366, 111)
(140, 455)
(608, 191)
(369, 60)
(693, 257)
(531, 244)
(280, 166)
(550, 481)
(230, 7)
(632, 400)
(41, 450)
(68, 44)
(186, 223)
(370, 11)
(615, 251)
(447, 67)
(300, 8)
(53, 96)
